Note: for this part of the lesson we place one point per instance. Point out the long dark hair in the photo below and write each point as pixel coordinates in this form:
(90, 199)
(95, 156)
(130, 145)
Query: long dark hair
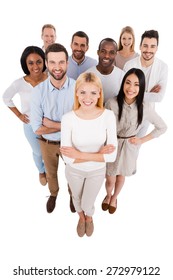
(139, 98)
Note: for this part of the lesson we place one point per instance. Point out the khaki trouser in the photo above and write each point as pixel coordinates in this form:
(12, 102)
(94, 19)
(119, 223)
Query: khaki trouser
(85, 187)
(51, 154)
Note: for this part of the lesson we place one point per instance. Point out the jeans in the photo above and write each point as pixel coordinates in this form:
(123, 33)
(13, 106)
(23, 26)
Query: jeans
(34, 143)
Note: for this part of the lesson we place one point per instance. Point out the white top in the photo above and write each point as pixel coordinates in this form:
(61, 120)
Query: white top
(24, 90)
(89, 136)
(158, 74)
(111, 83)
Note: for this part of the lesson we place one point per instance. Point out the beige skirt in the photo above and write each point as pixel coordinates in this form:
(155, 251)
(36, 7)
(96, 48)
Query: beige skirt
(125, 163)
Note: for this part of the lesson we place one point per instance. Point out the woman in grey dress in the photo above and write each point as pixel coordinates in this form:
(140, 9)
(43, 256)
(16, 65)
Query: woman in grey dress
(130, 112)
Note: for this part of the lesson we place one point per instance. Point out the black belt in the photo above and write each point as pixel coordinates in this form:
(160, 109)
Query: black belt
(49, 141)
(125, 137)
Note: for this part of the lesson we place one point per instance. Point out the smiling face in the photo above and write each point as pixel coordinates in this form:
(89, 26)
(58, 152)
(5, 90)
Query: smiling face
(126, 40)
(79, 48)
(88, 95)
(148, 49)
(131, 88)
(106, 56)
(35, 64)
(57, 65)
(48, 36)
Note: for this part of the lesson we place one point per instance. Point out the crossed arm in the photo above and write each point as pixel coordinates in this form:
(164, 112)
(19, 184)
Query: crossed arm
(48, 126)
(72, 152)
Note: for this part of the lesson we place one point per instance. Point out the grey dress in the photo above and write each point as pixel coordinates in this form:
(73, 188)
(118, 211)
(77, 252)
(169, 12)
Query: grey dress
(125, 163)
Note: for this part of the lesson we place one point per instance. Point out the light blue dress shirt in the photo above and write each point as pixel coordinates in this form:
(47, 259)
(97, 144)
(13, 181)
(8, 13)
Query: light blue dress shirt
(52, 103)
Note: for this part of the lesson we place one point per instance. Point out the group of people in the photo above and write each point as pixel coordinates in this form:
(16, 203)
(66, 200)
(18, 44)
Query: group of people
(92, 114)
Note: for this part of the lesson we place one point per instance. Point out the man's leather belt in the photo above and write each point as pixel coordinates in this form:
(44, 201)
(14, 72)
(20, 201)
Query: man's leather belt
(49, 141)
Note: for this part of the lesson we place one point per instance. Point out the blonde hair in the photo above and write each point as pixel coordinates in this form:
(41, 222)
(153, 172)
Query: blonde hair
(129, 30)
(88, 78)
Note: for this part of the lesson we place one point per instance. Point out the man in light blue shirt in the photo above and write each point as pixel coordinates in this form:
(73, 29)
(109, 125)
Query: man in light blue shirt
(78, 62)
(50, 100)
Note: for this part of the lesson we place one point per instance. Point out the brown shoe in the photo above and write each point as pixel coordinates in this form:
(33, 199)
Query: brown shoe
(42, 179)
(81, 228)
(73, 210)
(89, 228)
(112, 209)
(105, 206)
(51, 204)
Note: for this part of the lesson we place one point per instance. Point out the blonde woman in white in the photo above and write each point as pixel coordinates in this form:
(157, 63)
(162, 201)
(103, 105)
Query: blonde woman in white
(88, 141)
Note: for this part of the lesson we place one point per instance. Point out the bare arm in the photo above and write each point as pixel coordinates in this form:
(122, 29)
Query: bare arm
(23, 117)
(48, 126)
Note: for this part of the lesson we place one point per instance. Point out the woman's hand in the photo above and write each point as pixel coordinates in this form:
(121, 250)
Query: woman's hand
(70, 152)
(135, 140)
(107, 149)
(24, 118)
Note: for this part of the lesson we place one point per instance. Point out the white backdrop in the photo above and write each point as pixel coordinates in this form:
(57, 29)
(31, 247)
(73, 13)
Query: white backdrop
(140, 233)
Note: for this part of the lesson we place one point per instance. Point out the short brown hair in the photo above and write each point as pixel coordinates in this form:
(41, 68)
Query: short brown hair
(48, 25)
(56, 48)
